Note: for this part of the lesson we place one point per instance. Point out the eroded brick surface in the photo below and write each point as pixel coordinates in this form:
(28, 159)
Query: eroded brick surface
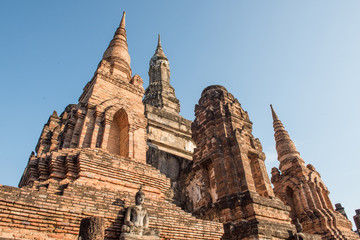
(104, 186)
(301, 188)
(229, 182)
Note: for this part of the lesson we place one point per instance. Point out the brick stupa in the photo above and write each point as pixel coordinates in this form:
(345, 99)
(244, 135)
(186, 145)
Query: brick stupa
(90, 161)
(301, 188)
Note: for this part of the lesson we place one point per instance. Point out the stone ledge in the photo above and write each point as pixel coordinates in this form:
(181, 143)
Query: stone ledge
(167, 115)
(129, 236)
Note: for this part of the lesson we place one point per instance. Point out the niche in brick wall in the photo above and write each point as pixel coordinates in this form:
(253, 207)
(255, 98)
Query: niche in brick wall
(118, 142)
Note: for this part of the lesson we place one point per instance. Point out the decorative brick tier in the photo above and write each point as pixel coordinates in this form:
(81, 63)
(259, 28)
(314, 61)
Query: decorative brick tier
(301, 188)
(105, 185)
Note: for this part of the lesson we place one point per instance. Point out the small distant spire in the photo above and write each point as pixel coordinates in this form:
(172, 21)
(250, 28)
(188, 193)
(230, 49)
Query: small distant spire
(159, 53)
(159, 41)
(159, 75)
(54, 114)
(122, 23)
(285, 147)
(274, 116)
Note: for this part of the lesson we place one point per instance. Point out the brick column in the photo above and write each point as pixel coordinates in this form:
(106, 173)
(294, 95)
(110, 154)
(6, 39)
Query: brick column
(77, 130)
(315, 195)
(299, 201)
(95, 133)
(303, 198)
(107, 125)
(309, 196)
(137, 142)
(265, 177)
(131, 142)
(92, 228)
(327, 200)
(54, 140)
(43, 169)
(68, 135)
(321, 196)
(88, 125)
(245, 161)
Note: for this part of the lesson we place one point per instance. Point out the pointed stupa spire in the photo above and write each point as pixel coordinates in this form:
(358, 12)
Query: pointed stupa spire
(274, 116)
(285, 147)
(122, 23)
(159, 53)
(117, 52)
(159, 41)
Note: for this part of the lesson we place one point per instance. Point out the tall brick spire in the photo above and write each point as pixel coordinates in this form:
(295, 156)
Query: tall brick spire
(117, 52)
(285, 147)
(301, 188)
(160, 93)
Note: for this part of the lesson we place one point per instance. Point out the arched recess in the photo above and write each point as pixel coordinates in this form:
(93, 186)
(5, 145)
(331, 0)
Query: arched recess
(118, 141)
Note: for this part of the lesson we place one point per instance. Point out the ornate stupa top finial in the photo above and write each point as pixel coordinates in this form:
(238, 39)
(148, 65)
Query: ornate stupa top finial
(159, 53)
(159, 41)
(274, 116)
(122, 23)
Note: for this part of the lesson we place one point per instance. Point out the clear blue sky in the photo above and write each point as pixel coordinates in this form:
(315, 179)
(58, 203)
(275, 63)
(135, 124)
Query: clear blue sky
(301, 56)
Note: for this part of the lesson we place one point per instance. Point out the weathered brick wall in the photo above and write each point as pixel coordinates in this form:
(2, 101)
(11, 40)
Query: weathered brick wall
(228, 181)
(45, 215)
(175, 168)
(106, 184)
(169, 132)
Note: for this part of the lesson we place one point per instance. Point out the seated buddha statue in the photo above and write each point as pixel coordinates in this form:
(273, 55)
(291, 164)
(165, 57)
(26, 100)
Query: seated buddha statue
(136, 218)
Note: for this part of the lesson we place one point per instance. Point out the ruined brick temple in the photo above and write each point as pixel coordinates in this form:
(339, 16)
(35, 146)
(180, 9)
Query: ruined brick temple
(204, 179)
